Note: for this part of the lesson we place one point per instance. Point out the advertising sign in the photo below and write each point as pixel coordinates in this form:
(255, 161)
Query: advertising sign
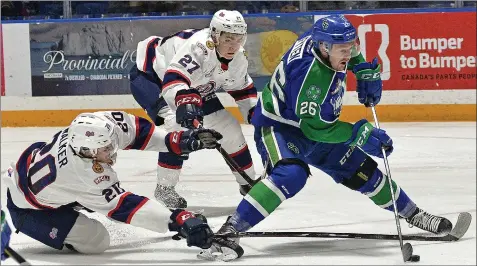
(428, 51)
(94, 58)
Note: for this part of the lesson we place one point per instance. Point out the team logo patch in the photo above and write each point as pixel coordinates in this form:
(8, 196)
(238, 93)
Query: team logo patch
(53, 233)
(210, 44)
(207, 88)
(89, 133)
(293, 148)
(202, 47)
(325, 24)
(313, 93)
(97, 167)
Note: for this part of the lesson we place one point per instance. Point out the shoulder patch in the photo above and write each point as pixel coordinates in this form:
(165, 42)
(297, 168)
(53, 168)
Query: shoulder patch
(202, 47)
(97, 167)
(101, 179)
(313, 93)
(296, 51)
(210, 45)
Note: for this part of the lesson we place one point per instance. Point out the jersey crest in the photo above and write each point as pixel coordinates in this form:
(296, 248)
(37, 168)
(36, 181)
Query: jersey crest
(97, 167)
(210, 44)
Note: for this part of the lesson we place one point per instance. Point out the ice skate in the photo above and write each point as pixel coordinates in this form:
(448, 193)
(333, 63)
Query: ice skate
(168, 196)
(428, 222)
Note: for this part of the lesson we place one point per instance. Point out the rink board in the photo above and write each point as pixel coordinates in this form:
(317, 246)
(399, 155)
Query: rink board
(351, 113)
(429, 72)
(395, 106)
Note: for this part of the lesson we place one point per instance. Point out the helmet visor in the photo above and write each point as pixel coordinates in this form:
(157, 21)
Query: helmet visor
(232, 39)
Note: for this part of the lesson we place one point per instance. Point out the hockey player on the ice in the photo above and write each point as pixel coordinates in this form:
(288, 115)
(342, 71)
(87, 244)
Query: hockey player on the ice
(50, 182)
(297, 124)
(175, 80)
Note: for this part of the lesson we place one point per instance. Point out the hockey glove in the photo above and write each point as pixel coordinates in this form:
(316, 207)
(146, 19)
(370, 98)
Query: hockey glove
(195, 230)
(370, 139)
(370, 85)
(189, 108)
(184, 142)
(6, 233)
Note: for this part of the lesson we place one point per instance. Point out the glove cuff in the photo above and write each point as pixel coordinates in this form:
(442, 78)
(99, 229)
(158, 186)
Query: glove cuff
(368, 74)
(190, 96)
(361, 131)
(178, 217)
(173, 140)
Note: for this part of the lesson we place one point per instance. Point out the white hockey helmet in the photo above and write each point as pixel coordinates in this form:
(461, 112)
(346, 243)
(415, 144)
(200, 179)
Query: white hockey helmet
(89, 131)
(227, 21)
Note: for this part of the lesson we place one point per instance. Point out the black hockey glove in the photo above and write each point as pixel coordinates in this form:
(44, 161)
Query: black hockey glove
(184, 142)
(189, 108)
(195, 230)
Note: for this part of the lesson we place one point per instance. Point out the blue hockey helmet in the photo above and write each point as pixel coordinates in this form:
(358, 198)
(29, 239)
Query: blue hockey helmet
(334, 29)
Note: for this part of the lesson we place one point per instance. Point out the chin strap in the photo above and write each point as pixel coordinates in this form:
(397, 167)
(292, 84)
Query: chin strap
(222, 59)
(224, 62)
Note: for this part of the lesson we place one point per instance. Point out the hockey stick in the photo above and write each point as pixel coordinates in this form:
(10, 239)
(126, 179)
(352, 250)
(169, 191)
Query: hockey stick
(229, 160)
(406, 249)
(460, 228)
(17, 257)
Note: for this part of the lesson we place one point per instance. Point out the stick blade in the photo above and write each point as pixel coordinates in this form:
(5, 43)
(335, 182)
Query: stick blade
(406, 252)
(461, 226)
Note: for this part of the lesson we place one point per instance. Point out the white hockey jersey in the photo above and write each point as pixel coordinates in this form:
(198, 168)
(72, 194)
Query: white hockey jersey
(188, 59)
(49, 175)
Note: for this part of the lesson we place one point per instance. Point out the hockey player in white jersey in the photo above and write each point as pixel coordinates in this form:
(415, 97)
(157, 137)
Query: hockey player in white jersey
(175, 80)
(50, 182)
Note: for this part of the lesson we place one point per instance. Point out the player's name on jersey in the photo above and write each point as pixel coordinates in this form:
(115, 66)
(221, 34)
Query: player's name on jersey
(84, 77)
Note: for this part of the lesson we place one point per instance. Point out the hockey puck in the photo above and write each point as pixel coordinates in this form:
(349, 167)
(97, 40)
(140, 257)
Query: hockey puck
(415, 258)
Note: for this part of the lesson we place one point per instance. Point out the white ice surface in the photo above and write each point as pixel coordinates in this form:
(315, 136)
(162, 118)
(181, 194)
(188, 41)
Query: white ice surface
(435, 163)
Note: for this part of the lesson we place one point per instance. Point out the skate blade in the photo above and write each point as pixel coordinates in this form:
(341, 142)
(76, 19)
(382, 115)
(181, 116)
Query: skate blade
(227, 254)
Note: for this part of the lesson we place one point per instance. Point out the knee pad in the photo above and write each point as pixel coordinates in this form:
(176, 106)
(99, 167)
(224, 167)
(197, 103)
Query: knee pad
(88, 236)
(366, 176)
(295, 161)
(290, 175)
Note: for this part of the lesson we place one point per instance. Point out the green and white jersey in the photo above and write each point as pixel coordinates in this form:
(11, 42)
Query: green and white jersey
(306, 93)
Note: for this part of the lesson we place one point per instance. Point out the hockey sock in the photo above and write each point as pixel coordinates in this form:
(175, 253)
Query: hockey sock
(381, 196)
(260, 201)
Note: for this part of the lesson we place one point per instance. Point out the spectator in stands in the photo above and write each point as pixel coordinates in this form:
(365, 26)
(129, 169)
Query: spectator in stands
(8, 9)
(289, 9)
(89, 7)
(50, 8)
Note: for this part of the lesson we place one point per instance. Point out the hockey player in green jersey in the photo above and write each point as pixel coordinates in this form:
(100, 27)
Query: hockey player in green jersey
(297, 124)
